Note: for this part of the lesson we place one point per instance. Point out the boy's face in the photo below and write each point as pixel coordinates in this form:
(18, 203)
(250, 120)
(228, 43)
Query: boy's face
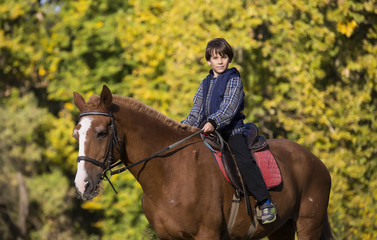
(218, 63)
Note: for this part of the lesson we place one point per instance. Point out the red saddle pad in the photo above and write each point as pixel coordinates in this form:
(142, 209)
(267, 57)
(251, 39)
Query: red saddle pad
(269, 167)
(266, 162)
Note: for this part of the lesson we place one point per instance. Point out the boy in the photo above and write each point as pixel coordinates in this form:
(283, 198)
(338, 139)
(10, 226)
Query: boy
(218, 104)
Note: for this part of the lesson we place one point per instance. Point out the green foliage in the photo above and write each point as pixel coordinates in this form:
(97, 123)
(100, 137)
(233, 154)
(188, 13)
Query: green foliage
(22, 158)
(21, 138)
(48, 196)
(309, 71)
(61, 147)
(20, 51)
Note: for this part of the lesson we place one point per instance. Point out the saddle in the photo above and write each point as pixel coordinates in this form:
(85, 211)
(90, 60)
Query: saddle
(259, 149)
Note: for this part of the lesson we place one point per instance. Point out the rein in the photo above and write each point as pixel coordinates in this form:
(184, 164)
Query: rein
(114, 141)
(151, 156)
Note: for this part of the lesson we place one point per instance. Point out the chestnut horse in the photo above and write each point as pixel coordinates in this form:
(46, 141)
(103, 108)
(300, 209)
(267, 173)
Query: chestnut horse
(184, 194)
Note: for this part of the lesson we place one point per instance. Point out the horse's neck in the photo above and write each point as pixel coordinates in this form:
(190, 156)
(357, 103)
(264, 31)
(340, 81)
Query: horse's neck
(178, 177)
(145, 137)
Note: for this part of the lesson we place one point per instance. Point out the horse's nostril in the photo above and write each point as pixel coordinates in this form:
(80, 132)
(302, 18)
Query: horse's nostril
(87, 185)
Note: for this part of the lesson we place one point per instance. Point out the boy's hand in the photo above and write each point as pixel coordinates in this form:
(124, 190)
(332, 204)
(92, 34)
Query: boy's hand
(208, 128)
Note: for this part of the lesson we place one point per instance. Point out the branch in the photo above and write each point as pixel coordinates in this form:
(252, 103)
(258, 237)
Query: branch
(23, 210)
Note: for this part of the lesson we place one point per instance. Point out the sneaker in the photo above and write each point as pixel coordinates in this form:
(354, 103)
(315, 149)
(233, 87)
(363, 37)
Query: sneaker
(267, 212)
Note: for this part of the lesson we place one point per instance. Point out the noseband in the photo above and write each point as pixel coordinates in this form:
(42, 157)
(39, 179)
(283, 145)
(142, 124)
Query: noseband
(114, 141)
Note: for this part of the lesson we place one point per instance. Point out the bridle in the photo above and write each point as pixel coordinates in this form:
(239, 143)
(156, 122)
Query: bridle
(114, 141)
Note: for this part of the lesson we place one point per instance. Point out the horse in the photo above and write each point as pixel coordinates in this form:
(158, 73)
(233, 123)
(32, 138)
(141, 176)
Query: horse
(184, 194)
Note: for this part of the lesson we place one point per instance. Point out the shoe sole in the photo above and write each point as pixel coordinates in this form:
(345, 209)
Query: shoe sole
(269, 221)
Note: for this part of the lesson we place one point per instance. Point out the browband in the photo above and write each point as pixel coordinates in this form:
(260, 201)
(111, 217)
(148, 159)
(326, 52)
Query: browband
(94, 113)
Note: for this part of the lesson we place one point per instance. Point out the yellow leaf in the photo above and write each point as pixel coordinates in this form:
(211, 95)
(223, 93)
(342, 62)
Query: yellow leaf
(346, 28)
(99, 24)
(41, 72)
(92, 205)
(69, 106)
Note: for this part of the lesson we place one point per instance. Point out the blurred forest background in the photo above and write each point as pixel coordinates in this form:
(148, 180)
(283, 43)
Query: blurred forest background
(309, 70)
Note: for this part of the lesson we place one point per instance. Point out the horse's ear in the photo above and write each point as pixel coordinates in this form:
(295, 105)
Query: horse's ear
(106, 97)
(79, 101)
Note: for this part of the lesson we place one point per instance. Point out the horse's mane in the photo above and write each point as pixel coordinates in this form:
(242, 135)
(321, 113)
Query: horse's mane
(150, 112)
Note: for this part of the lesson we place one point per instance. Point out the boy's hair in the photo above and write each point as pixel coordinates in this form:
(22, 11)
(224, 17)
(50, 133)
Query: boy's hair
(219, 46)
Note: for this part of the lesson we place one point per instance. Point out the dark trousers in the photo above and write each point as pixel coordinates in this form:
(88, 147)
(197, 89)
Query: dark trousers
(248, 167)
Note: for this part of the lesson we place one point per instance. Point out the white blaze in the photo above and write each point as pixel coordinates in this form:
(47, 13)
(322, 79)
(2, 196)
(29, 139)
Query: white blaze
(81, 173)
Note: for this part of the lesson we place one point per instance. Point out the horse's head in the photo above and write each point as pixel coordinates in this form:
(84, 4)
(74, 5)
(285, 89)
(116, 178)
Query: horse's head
(99, 142)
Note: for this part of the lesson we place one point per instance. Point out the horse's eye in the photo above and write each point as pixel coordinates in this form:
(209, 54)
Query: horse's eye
(102, 134)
